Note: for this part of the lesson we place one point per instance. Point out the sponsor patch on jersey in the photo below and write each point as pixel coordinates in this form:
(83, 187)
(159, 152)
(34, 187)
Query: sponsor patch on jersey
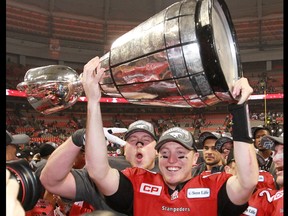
(250, 211)
(150, 189)
(198, 192)
(261, 178)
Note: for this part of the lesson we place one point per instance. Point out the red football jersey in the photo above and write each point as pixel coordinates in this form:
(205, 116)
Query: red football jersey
(265, 180)
(197, 197)
(266, 202)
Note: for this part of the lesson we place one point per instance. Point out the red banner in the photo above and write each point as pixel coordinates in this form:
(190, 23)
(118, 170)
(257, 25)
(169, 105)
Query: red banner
(17, 93)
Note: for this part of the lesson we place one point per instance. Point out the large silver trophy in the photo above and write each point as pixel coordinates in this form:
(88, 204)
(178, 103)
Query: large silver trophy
(184, 56)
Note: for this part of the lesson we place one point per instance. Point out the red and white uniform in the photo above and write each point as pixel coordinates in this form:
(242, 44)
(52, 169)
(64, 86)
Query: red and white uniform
(266, 202)
(265, 180)
(197, 197)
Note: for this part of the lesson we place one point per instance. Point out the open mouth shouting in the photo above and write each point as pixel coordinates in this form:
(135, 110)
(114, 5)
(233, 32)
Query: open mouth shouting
(139, 157)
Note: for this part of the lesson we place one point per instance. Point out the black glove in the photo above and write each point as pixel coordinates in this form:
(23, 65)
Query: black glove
(241, 130)
(78, 137)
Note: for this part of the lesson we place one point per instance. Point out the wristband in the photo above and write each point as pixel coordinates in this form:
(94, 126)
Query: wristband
(241, 130)
(78, 137)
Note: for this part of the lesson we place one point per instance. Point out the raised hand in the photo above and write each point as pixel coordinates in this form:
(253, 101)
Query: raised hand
(242, 90)
(90, 78)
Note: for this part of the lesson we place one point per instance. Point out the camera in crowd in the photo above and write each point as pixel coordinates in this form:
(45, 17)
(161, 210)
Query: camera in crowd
(30, 187)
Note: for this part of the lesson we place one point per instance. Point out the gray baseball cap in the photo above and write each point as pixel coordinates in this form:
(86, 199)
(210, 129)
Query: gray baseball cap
(207, 135)
(179, 135)
(221, 141)
(140, 125)
(269, 142)
(17, 139)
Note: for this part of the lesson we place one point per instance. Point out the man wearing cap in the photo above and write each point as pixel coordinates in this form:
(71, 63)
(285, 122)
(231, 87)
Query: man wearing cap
(76, 185)
(267, 201)
(258, 133)
(173, 191)
(213, 161)
(12, 143)
(140, 150)
(224, 145)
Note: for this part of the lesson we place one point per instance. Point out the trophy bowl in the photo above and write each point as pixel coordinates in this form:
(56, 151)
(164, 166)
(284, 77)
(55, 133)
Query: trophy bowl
(51, 88)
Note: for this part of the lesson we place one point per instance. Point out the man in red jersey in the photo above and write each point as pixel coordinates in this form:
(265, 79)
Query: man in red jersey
(266, 201)
(173, 191)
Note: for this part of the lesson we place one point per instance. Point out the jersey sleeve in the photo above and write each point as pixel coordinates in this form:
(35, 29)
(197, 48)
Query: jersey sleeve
(122, 200)
(225, 206)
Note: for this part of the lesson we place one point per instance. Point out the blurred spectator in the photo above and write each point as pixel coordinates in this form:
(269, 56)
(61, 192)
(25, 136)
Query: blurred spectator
(259, 132)
(36, 158)
(48, 201)
(12, 144)
(26, 154)
(45, 151)
(224, 145)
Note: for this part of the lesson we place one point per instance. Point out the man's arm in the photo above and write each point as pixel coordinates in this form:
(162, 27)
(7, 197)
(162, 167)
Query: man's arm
(241, 186)
(56, 176)
(106, 178)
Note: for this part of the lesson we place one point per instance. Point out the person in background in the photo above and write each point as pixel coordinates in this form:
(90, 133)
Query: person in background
(12, 143)
(139, 191)
(266, 201)
(213, 162)
(45, 151)
(48, 201)
(224, 145)
(36, 158)
(266, 154)
(26, 154)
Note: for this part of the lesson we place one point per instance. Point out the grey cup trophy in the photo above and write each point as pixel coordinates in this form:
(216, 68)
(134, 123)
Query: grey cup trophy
(184, 56)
